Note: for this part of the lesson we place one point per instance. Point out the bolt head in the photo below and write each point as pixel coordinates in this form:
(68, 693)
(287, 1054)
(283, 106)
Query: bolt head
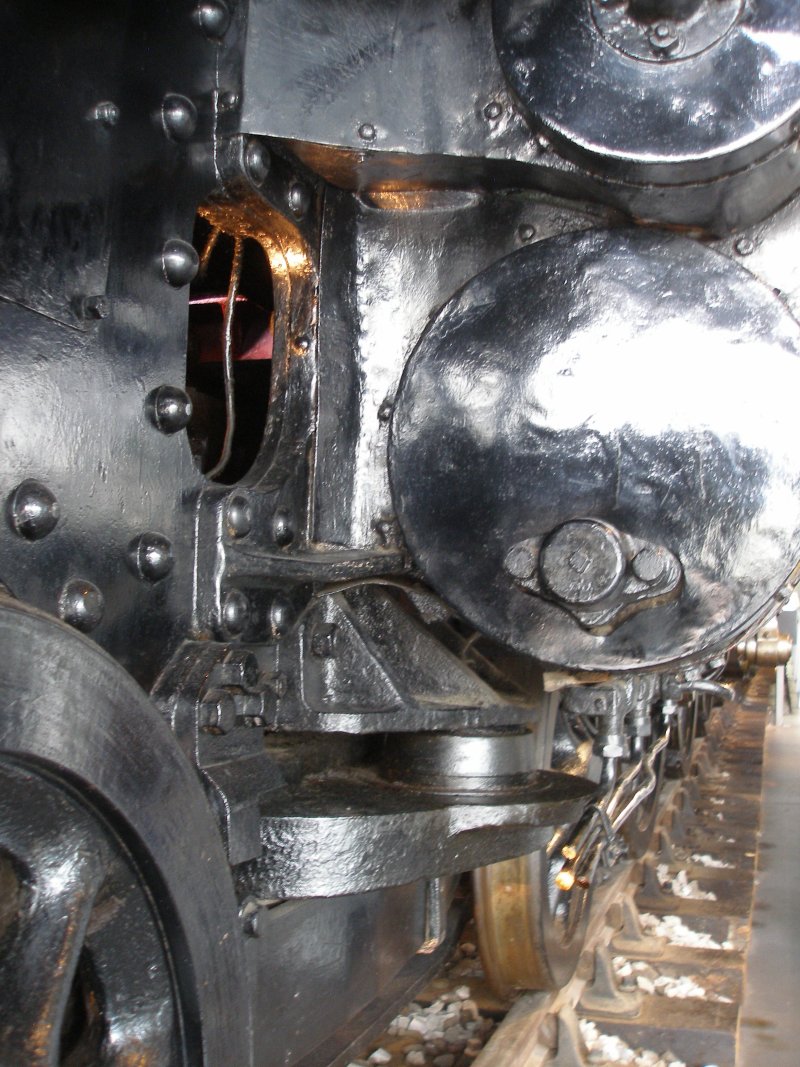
(179, 262)
(520, 562)
(299, 200)
(582, 562)
(32, 510)
(81, 605)
(213, 17)
(235, 613)
(282, 527)
(178, 117)
(93, 307)
(238, 516)
(169, 408)
(649, 564)
(663, 38)
(279, 684)
(217, 711)
(323, 640)
(281, 616)
(240, 668)
(150, 557)
(106, 113)
(256, 161)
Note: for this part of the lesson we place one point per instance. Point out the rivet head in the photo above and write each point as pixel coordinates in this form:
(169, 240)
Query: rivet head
(178, 117)
(302, 343)
(281, 616)
(238, 516)
(526, 232)
(323, 640)
(282, 527)
(367, 132)
(299, 199)
(179, 262)
(744, 246)
(32, 510)
(92, 307)
(235, 612)
(385, 411)
(169, 408)
(150, 556)
(81, 605)
(106, 113)
(256, 161)
(493, 110)
(213, 17)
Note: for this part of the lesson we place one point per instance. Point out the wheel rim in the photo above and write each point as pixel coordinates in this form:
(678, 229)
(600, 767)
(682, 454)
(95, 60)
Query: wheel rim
(79, 988)
(530, 932)
(82, 731)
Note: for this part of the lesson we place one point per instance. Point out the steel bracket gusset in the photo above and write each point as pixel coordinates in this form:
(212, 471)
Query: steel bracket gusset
(215, 698)
(256, 570)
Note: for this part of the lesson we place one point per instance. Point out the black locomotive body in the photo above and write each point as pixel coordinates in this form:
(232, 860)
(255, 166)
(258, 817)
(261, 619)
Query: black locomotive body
(396, 432)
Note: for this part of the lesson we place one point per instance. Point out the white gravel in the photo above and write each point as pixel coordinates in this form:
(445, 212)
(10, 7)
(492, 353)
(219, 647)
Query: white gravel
(380, 1055)
(651, 981)
(680, 885)
(606, 1048)
(703, 859)
(449, 1026)
(677, 933)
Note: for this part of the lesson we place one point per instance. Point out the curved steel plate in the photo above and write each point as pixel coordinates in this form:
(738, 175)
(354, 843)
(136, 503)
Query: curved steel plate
(631, 377)
(685, 118)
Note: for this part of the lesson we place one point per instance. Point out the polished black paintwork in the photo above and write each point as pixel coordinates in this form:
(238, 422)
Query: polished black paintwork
(697, 114)
(378, 157)
(600, 377)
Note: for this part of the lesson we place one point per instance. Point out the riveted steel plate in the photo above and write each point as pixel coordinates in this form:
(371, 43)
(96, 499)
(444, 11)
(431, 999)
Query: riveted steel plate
(620, 375)
(725, 96)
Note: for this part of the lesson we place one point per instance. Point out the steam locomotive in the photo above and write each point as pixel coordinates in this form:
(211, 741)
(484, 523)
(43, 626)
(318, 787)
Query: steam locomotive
(397, 429)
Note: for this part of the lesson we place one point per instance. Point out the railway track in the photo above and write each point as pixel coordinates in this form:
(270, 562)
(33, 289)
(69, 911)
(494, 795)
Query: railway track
(660, 981)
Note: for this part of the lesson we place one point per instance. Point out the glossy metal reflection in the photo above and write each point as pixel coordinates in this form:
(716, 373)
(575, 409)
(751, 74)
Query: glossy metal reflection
(724, 96)
(600, 377)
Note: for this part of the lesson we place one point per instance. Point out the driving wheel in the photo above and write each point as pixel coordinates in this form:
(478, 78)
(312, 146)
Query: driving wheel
(119, 937)
(530, 930)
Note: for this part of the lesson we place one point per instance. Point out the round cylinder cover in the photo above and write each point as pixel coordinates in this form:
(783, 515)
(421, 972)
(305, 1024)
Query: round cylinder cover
(593, 450)
(666, 90)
